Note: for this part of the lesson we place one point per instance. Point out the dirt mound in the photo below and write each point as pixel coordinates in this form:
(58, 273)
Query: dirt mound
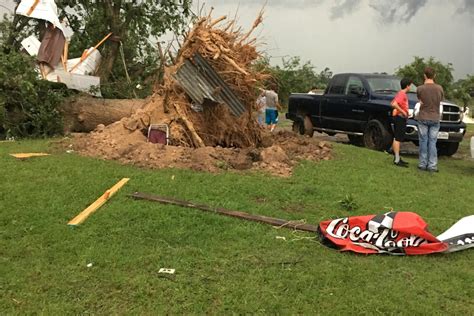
(284, 150)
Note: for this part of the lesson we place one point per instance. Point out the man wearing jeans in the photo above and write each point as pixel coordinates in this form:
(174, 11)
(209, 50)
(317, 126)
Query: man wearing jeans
(430, 95)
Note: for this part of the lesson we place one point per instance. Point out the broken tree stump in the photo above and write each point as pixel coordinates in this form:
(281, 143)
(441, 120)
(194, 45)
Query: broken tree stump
(83, 114)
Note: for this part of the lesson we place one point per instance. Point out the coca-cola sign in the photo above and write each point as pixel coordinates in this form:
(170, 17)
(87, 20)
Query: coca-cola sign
(401, 233)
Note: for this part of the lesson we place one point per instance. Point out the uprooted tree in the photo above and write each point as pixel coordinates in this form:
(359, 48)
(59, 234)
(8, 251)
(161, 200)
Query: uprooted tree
(231, 53)
(207, 134)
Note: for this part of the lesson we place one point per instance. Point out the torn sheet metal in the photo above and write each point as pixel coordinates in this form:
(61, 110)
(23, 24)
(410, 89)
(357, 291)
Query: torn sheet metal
(42, 9)
(84, 83)
(201, 82)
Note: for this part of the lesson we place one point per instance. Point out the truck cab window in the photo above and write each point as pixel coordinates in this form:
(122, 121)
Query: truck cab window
(338, 85)
(354, 86)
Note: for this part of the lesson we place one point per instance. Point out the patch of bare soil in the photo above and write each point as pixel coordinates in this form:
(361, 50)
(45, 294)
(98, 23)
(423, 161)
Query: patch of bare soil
(280, 152)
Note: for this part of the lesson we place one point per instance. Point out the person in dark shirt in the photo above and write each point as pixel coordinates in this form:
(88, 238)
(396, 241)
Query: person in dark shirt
(430, 95)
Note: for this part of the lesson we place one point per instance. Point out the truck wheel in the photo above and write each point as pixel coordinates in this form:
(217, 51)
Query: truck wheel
(308, 127)
(355, 140)
(376, 136)
(447, 149)
(298, 127)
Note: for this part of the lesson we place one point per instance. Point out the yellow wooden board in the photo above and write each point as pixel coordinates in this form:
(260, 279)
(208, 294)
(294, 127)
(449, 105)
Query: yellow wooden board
(28, 155)
(98, 203)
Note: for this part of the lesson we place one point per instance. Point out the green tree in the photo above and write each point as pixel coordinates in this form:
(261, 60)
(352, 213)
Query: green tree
(416, 69)
(463, 90)
(293, 76)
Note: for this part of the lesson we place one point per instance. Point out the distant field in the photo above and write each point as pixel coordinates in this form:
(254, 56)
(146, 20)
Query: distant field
(223, 265)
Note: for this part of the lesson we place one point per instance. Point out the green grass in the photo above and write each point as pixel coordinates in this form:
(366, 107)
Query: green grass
(223, 265)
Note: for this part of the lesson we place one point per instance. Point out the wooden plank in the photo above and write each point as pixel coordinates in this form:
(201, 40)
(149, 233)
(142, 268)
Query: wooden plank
(28, 155)
(242, 215)
(98, 203)
(33, 7)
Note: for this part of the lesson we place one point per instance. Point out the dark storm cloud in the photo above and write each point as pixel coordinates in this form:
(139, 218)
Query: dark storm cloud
(344, 7)
(280, 3)
(397, 10)
(467, 7)
(390, 11)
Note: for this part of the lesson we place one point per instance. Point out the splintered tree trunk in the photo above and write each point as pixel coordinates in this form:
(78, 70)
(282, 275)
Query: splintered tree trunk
(85, 113)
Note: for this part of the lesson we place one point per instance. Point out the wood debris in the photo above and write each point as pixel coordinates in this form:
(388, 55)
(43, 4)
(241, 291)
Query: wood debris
(98, 203)
(28, 155)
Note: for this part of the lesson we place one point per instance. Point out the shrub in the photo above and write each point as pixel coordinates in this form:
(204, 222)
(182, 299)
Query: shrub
(29, 107)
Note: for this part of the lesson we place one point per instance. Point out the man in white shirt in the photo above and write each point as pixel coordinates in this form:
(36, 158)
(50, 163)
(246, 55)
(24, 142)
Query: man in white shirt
(271, 109)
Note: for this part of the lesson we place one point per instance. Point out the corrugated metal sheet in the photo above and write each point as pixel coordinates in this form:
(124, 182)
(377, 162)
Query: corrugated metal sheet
(201, 82)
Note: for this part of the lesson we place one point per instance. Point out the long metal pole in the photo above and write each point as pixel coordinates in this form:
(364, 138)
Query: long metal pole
(242, 215)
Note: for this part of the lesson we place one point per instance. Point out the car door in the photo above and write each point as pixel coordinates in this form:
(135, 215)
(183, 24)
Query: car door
(356, 97)
(334, 104)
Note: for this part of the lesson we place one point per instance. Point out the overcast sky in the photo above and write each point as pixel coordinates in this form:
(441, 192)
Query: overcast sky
(362, 35)
(358, 35)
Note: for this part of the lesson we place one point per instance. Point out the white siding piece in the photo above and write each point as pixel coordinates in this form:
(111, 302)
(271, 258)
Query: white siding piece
(31, 44)
(88, 66)
(87, 84)
(44, 10)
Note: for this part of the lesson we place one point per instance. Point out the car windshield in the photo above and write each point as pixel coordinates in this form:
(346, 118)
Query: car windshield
(386, 85)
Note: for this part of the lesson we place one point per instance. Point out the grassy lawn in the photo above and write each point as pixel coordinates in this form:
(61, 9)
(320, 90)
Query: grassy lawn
(223, 265)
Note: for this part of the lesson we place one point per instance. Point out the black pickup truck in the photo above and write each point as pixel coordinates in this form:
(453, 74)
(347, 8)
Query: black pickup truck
(359, 105)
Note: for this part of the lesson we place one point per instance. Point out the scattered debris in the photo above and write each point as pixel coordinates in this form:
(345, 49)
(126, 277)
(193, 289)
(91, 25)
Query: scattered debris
(98, 203)
(84, 83)
(159, 134)
(281, 237)
(242, 215)
(203, 84)
(460, 236)
(167, 271)
(42, 10)
(89, 265)
(28, 155)
(31, 44)
(52, 52)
